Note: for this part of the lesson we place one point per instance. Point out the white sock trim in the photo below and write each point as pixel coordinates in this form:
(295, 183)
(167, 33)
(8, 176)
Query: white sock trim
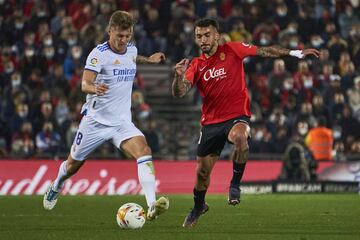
(143, 159)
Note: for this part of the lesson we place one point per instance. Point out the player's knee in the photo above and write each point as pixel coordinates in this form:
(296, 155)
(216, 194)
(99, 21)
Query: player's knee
(146, 150)
(203, 174)
(240, 140)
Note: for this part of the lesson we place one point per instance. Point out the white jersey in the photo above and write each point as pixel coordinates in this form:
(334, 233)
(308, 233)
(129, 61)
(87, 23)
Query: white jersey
(118, 72)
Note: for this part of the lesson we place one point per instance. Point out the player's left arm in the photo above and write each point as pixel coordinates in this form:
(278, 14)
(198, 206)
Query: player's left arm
(155, 58)
(275, 51)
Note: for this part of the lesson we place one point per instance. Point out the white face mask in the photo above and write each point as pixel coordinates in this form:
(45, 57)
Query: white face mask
(29, 53)
(49, 54)
(41, 13)
(71, 42)
(48, 42)
(303, 131)
(288, 86)
(187, 29)
(317, 43)
(259, 135)
(293, 44)
(19, 25)
(308, 83)
(281, 13)
(292, 30)
(23, 114)
(337, 134)
(76, 54)
(15, 82)
(9, 68)
(264, 41)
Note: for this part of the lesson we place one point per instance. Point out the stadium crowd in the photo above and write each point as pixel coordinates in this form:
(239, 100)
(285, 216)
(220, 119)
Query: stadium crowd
(43, 45)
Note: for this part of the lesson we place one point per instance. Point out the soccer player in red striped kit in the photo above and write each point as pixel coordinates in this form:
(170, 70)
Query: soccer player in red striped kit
(219, 76)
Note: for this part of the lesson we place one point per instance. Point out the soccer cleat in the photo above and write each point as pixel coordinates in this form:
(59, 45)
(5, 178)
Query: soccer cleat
(158, 207)
(192, 218)
(234, 195)
(50, 198)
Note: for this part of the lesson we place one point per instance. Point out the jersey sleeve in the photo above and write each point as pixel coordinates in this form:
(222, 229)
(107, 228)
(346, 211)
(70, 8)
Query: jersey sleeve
(243, 50)
(93, 61)
(190, 73)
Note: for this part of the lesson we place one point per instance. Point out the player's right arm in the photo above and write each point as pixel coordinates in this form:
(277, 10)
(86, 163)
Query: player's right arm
(88, 84)
(92, 67)
(180, 85)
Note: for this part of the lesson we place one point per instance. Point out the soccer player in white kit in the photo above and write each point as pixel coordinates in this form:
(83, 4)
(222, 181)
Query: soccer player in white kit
(107, 79)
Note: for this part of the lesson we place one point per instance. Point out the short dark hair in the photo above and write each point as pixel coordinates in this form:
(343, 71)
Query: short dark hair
(206, 22)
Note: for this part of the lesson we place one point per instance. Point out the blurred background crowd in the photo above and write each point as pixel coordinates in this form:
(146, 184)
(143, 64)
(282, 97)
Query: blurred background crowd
(44, 44)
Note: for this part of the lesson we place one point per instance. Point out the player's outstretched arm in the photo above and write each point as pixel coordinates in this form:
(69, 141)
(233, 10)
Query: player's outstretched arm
(88, 84)
(275, 51)
(155, 58)
(180, 86)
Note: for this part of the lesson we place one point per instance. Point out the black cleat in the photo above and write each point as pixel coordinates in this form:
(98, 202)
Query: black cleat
(192, 218)
(234, 195)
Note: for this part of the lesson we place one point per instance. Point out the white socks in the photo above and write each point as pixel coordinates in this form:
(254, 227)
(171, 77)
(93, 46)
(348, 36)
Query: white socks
(146, 174)
(62, 176)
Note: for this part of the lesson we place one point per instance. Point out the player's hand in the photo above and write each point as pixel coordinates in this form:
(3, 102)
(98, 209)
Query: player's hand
(100, 89)
(181, 67)
(310, 51)
(157, 58)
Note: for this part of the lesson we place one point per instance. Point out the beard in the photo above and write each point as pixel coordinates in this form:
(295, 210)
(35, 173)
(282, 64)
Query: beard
(206, 48)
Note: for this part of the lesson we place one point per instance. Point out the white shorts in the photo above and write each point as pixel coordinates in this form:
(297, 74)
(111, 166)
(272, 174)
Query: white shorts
(91, 134)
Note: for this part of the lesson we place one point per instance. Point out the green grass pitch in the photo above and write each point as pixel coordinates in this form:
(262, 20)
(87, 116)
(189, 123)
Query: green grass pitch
(277, 216)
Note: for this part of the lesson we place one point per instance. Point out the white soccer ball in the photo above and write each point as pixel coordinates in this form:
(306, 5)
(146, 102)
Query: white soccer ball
(130, 216)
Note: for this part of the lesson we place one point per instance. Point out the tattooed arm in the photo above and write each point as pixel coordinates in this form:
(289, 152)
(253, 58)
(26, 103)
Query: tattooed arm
(274, 51)
(180, 86)
(155, 58)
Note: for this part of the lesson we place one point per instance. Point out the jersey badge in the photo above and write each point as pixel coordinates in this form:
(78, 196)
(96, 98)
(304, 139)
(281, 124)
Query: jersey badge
(94, 61)
(222, 56)
(117, 62)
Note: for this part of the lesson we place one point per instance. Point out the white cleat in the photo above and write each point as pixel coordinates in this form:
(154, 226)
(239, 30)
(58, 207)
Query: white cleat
(50, 198)
(159, 207)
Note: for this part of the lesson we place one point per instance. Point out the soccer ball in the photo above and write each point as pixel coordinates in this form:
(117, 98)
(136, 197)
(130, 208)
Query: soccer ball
(130, 216)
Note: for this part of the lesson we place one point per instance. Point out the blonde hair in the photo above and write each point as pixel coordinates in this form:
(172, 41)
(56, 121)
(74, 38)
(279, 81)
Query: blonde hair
(121, 19)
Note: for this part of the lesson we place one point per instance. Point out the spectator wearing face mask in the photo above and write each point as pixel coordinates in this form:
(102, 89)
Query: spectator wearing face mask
(46, 115)
(303, 78)
(17, 86)
(278, 75)
(321, 109)
(316, 41)
(73, 60)
(305, 82)
(48, 140)
(281, 16)
(29, 61)
(22, 144)
(21, 116)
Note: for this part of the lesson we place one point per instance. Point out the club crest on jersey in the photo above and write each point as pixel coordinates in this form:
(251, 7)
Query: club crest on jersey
(117, 62)
(222, 56)
(94, 61)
